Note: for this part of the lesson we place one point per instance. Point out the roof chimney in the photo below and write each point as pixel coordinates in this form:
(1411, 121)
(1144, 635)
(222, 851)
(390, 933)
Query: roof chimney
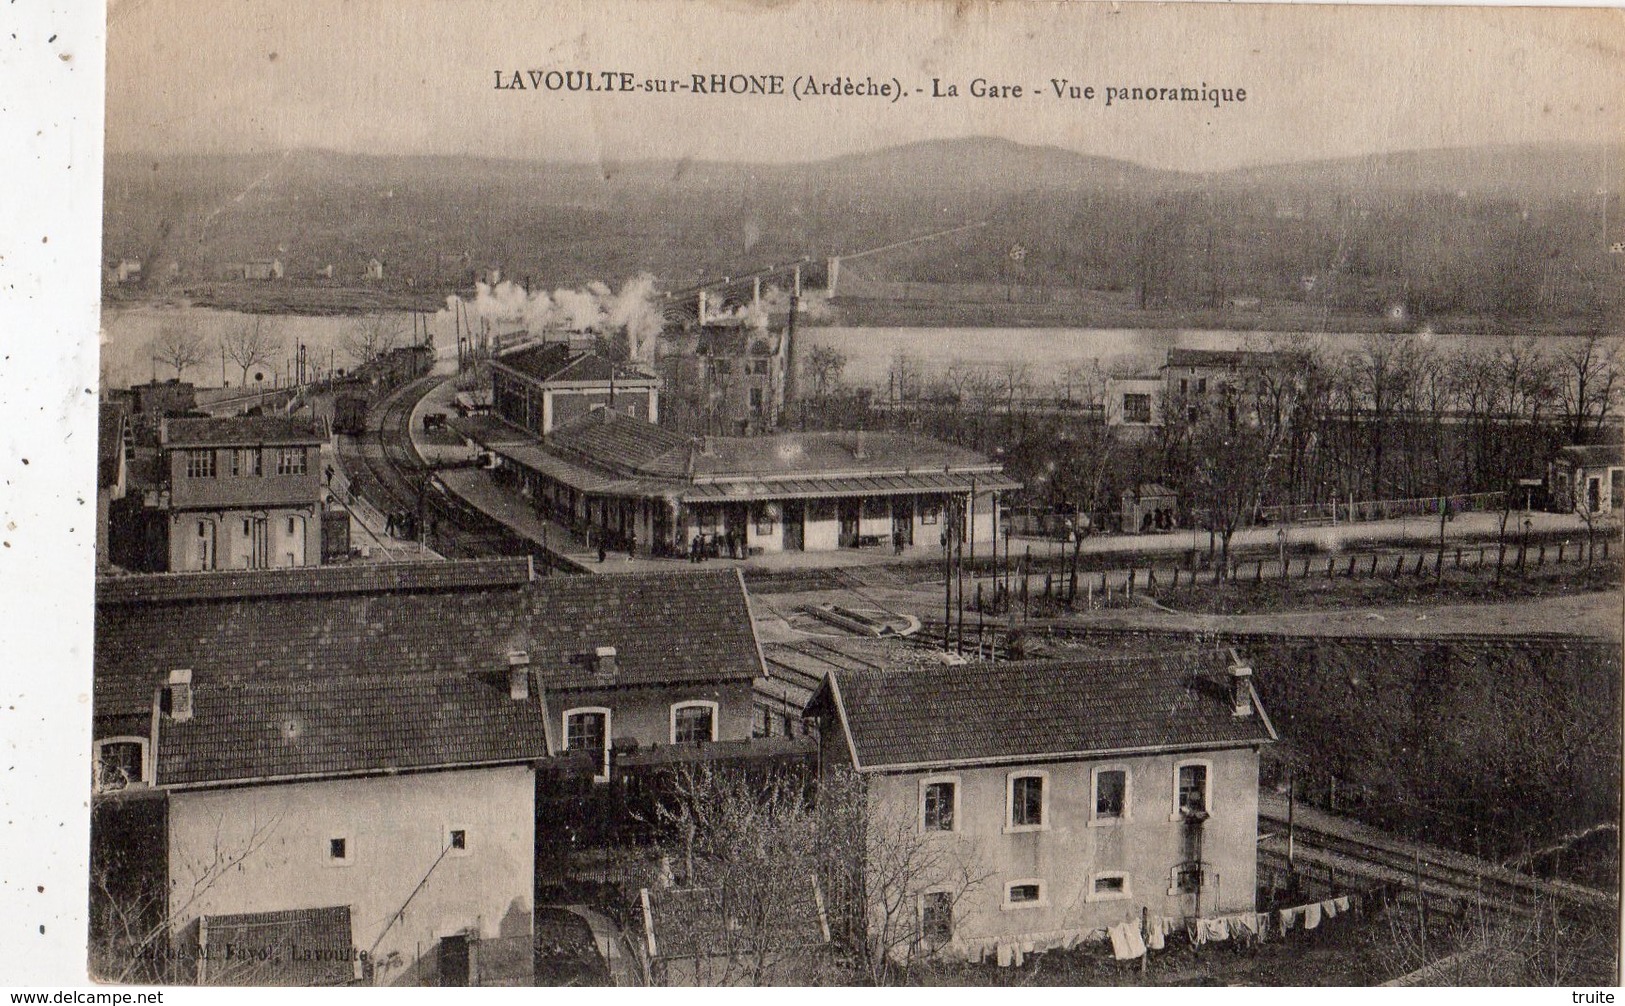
(1241, 689)
(179, 691)
(604, 661)
(706, 447)
(518, 675)
(857, 447)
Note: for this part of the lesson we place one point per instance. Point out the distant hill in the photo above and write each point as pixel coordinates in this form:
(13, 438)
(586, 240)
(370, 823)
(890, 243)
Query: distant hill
(1511, 170)
(1510, 230)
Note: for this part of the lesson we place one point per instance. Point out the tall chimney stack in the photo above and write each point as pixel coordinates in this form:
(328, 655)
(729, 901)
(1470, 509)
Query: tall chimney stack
(1241, 689)
(518, 675)
(180, 694)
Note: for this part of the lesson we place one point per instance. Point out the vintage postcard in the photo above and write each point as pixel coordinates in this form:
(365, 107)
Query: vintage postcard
(908, 493)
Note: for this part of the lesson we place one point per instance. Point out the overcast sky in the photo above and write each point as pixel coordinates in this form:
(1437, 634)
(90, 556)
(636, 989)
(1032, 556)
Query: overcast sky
(417, 78)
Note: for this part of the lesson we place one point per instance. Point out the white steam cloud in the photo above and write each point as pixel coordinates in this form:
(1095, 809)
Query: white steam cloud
(594, 308)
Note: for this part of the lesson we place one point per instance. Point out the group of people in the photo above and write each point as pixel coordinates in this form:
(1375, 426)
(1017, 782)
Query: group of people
(1161, 519)
(727, 545)
(404, 524)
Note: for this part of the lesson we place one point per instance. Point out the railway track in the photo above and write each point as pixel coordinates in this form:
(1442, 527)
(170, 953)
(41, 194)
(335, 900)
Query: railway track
(389, 473)
(1339, 851)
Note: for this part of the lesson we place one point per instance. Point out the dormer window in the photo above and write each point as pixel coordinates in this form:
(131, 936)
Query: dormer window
(693, 722)
(587, 730)
(121, 762)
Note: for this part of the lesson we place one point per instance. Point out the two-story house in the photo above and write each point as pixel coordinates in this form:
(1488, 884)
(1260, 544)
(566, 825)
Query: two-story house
(371, 829)
(1080, 792)
(343, 746)
(239, 493)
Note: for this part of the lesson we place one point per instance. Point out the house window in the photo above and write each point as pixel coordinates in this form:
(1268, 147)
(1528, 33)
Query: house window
(290, 527)
(1028, 799)
(1025, 893)
(290, 461)
(937, 917)
(939, 804)
(245, 462)
(1191, 789)
(1201, 385)
(588, 730)
(200, 464)
(1109, 887)
(693, 722)
(756, 399)
(120, 762)
(930, 513)
(1111, 795)
(340, 850)
(1136, 408)
(454, 840)
(1189, 878)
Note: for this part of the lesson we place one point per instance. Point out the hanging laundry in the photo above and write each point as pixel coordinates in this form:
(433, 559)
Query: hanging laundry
(1289, 918)
(1329, 908)
(1213, 930)
(1243, 925)
(1342, 903)
(1156, 927)
(1311, 916)
(1261, 922)
(1016, 957)
(1122, 945)
(1004, 955)
(1136, 940)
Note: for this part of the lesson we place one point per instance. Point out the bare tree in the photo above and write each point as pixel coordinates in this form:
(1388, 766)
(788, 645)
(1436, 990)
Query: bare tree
(371, 336)
(747, 850)
(877, 867)
(178, 345)
(824, 366)
(1589, 385)
(254, 341)
(131, 925)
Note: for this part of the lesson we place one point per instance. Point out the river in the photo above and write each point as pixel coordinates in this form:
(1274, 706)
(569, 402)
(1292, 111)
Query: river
(128, 334)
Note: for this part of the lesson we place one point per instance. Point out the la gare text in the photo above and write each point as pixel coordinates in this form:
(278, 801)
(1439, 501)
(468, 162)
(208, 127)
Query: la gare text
(839, 85)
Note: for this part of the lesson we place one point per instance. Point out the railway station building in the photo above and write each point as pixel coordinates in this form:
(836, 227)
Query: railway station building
(545, 385)
(623, 480)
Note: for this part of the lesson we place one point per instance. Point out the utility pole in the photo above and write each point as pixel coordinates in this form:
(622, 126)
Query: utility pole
(947, 588)
(1438, 566)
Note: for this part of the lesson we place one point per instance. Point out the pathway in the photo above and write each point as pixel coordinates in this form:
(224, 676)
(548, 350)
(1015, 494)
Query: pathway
(623, 971)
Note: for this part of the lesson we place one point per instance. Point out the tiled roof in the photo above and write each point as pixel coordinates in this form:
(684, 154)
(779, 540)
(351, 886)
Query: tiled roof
(540, 361)
(1594, 455)
(849, 485)
(614, 454)
(553, 361)
(621, 441)
(666, 627)
(304, 946)
(1037, 710)
(693, 922)
(339, 725)
(110, 426)
(230, 430)
(314, 580)
(811, 455)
